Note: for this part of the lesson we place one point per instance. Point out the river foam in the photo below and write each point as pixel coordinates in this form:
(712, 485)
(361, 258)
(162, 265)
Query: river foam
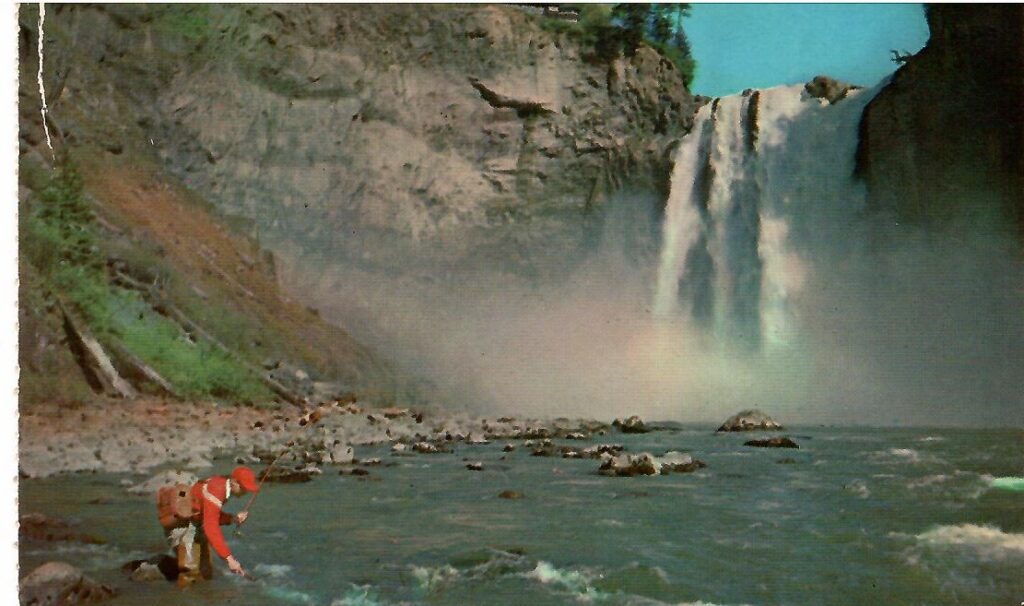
(983, 542)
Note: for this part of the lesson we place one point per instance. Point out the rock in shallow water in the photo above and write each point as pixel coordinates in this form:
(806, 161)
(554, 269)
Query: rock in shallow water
(632, 424)
(750, 420)
(678, 462)
(646, 464)
(60, 583)
(159, 567)
(776, 442)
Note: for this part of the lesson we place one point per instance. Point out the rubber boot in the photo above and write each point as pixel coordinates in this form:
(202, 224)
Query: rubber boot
(188, 568)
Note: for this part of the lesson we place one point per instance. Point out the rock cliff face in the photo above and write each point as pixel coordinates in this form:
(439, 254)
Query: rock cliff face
(390, 137)
(945, 139)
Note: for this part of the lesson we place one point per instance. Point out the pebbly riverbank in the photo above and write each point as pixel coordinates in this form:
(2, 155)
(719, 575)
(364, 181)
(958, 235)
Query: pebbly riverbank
(137, 437)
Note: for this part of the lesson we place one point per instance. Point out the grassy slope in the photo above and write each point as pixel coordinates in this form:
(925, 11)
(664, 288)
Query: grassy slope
(153, 229)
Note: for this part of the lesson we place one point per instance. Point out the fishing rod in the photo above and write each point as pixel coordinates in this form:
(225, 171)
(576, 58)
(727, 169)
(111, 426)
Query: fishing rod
(306, 421)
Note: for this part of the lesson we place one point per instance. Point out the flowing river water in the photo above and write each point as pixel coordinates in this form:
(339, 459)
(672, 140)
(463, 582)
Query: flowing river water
(854, 516)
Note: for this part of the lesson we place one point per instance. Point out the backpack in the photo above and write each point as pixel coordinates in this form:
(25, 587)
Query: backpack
(174, 505)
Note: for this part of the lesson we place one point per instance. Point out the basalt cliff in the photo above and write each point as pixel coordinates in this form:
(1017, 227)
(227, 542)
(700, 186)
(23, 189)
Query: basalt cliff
(944, 140)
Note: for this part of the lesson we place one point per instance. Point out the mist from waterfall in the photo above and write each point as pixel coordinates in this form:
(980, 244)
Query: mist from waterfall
(761, 282)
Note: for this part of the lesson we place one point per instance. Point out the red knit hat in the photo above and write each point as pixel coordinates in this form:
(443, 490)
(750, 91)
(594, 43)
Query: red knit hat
(244, 476)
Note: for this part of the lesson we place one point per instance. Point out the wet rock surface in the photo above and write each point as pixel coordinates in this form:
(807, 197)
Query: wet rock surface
(61, 584)
(829, 89)
(646, 464)
(160, 567)
(776, 442)
(631, 424)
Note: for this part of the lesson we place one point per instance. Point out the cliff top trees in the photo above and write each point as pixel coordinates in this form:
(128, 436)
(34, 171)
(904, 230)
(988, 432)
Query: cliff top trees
(614, 29)
(661, 27)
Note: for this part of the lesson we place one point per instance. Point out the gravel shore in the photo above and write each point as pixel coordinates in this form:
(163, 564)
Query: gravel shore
(138, 436)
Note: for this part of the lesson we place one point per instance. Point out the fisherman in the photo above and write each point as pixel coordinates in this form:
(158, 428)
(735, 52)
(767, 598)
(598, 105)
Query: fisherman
(194, 537)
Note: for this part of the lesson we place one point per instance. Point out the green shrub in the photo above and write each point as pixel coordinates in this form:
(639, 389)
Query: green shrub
(190, 21)
(613, 30)
(196, 369)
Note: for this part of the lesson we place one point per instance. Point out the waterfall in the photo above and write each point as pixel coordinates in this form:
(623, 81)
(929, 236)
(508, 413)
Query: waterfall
(760, 181)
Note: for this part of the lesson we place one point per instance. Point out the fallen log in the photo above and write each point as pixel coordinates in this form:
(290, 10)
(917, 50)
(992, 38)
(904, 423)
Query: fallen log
(143, 370)
(225, 275)
(93, 359)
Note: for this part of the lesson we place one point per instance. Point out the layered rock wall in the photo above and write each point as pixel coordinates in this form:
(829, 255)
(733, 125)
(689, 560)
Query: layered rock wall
(384, 136)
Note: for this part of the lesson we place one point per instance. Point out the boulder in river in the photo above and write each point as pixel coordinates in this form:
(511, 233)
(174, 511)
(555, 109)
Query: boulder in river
(631, 424)
(60, 583)
(750, 420)
(510, 494)
(646, 464)
(628, 465)
(678, 462)
(776, 442)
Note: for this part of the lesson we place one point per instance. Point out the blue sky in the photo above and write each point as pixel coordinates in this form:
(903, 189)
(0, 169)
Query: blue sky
(740, 46)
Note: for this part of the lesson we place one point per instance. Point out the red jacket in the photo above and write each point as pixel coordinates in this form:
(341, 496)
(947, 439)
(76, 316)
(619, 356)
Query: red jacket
(210, 515)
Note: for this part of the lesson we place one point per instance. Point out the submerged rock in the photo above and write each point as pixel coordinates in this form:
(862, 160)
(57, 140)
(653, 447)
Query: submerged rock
(776, 442)
(60, 583)
(631, 424)
(510, 494)
(750, 420)
(41, 528)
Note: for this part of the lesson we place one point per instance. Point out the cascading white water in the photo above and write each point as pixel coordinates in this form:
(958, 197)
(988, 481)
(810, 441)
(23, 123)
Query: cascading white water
(761, 180)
